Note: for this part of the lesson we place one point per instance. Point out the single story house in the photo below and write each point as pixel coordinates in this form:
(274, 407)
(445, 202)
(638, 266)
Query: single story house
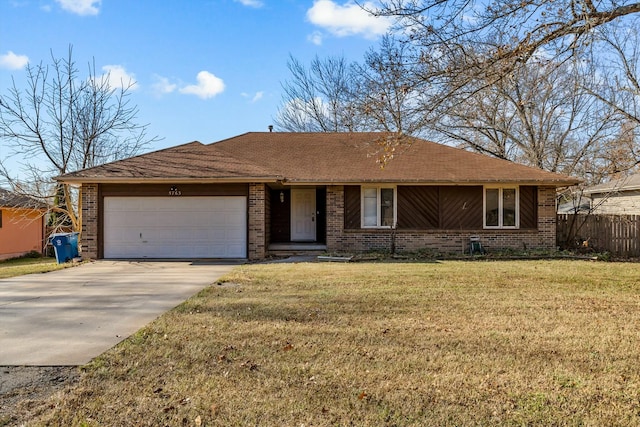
(617, 197)
(259, 193)
(22, 225)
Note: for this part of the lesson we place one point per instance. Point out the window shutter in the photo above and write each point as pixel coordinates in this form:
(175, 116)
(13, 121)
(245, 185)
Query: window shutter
(529, 207)
(351, 207)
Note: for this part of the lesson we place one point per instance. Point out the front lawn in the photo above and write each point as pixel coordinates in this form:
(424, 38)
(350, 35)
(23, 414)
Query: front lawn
(371, 344)
(21, 266)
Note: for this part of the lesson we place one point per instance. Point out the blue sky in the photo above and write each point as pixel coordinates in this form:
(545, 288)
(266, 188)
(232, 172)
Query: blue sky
(204, 70)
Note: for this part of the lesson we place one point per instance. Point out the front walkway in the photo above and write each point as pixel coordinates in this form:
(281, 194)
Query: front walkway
(70, 316)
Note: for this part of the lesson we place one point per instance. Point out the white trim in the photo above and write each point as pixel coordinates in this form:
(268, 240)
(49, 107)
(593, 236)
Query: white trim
(500, 225)
(378, 188)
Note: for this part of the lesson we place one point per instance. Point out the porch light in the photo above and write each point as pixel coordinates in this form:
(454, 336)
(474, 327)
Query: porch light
(281, 196)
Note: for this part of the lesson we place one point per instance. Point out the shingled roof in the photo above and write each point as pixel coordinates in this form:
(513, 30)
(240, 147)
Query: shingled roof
(628, 183)
(315, 158)
(9, 199)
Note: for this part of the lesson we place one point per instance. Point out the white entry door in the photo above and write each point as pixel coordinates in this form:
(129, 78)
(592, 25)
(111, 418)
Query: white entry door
(303, 215)
(175, 227)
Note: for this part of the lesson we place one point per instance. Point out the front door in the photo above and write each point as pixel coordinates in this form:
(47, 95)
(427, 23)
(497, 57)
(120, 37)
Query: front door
(303, 215)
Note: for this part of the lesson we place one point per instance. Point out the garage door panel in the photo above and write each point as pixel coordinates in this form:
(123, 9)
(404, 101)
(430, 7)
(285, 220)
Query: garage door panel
(175, 227)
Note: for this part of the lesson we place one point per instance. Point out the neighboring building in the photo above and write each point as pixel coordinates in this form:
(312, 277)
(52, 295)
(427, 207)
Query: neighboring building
(580, 204)
(22, 225)
(620, 196)
(259, 193)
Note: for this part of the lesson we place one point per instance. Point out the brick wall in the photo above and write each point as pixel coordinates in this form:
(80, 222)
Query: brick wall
(335, 218)
(547, 216)
(446, 241)
(89, 236)
(257, 221)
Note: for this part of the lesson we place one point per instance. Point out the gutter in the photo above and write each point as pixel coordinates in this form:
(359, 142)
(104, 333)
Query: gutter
(300, 182)
(169, 180)
(426, 183)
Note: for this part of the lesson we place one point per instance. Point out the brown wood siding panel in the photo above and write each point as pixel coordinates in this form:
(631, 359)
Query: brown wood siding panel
(461, 208)
(417, 207)
(528, 207)
(160, 190)
(321, 215)
(351, 207)
(280, 217)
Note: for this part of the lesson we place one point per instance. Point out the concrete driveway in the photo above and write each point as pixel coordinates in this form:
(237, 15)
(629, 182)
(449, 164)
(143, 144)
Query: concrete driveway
(70, 316)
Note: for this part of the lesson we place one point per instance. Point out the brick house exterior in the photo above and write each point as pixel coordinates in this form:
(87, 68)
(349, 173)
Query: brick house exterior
(321, 192)
(447, 241)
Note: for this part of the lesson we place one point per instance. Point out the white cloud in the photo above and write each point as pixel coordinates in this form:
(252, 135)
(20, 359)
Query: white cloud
(118, 77)
(11, 61)
(208, 86)
(162, 85)
(255, 98)
(251, 3)
(315, 38)
(81, 7)
(304, 111)
(348, 19)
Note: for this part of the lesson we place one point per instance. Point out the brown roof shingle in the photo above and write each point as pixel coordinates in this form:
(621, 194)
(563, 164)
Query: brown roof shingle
(316, 158)
(9, 199)
(628, 183)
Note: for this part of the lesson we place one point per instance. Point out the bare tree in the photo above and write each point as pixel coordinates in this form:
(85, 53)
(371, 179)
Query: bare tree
(62, 123)
(317, 99)
(539, 115)
(525, 27)
(618, 86)
(387, 95)
(380, 94)
(619, 66)
(463, 42)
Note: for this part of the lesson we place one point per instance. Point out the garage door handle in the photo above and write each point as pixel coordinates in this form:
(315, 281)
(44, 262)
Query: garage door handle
(141, 235)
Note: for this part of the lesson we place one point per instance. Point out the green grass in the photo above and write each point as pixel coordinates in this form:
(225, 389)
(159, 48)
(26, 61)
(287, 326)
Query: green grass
(21, 266)
(423, 344)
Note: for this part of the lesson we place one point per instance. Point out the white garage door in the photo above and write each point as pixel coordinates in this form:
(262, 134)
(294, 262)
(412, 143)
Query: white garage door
(175, 227)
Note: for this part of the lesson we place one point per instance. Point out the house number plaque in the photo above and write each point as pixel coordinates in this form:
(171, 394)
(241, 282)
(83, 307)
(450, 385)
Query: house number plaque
(174, 191)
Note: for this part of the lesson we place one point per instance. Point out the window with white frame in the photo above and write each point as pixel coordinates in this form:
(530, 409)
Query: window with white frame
(501, 207)
(378, 207)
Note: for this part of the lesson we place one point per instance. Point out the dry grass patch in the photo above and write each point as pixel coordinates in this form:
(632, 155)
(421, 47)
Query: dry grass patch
(22, 266)
(449, 343)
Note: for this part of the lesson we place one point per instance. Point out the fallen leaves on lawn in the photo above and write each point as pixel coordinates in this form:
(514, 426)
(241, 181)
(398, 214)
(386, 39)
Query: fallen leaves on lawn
(250, 365)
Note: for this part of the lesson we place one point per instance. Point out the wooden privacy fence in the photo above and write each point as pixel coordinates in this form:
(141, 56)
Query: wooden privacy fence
(617, 234)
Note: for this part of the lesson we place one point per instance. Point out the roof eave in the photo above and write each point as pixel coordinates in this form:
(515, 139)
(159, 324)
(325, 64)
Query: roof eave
(303, 181)
(164, 180)
(26, 207)
(559, 183)
(612, 190)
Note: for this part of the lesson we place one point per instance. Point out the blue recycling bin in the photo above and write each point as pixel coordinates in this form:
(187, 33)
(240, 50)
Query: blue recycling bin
(65, 246)
(73, 241)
